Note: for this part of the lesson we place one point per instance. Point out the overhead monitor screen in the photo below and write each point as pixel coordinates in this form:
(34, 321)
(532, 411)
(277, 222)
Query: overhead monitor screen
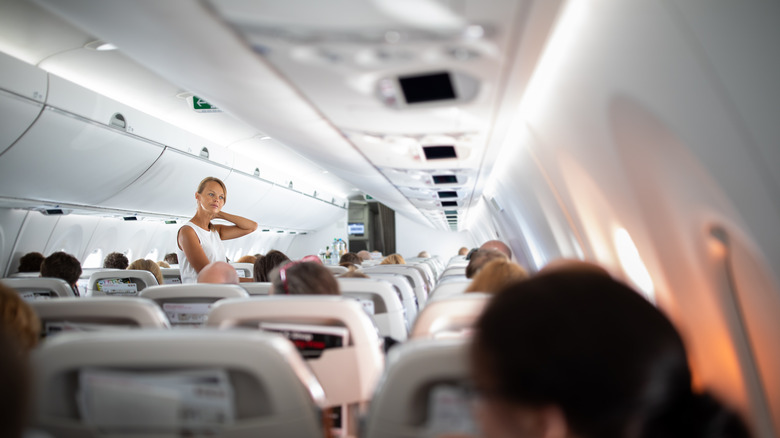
(445, 179)
(439, 152)
(356, 228)
(117, 286)
(427, 87)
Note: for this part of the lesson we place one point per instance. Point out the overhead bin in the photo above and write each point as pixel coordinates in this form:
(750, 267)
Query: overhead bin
(67, 159)
(286, 208)
(23, 90)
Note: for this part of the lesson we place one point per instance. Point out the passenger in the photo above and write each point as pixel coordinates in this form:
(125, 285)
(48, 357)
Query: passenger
(364, 255)
(171, 258)
(163, 264)
(463, 251)
(64, 266)
(353, 273)
(15, 387)
(498, 245)
(495, 275)
(218, 273)
(116, 260)
(570, 354)
(304, 277)
(247, 259)
(471, 253)
(200, 241)
(18, 319)
(149, 266)
(265, 265)
(480, 258)
(572, 265)
(393, 259)
(350, 257)
(424, 255)
(31, 262)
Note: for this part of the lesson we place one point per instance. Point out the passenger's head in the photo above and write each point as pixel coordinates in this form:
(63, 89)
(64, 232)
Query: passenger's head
(423, 255)
(495, 275)
(463, 251)
(574, 266)
(18, 320)
(480, 258)
(15, 386)
(211, 194)
(31, 262)
(163, 264)
(265, 265)
(304, 277)
(147, 265)
(62, 265)
(364, 255)
(247, 259)
(218, 273)
(116, 260)
(350, 257)
(393, 259)
(497, 245)
(172, 258)
(580, 354)
(353, 273)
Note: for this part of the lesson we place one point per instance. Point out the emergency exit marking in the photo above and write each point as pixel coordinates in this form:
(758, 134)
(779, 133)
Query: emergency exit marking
(202, 106)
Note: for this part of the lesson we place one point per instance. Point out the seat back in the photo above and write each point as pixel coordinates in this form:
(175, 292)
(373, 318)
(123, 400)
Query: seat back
(98, 313)
(40, 288)
(427, 271)
(449, 316)
(245, 270)
(409, 299)
(381, 300)
(336, 269)
(174, 383)
(423, 392)
(171, 275)
(412, 274)
(454, 270)
(348, 372)
(119, 282)
(189, 304)
(257, 288)
(452, 287)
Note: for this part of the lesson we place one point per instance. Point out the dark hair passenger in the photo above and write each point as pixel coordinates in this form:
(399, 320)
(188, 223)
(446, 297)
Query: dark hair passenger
(30, 262)
(579, 354)
(304, 277)
(264, 265)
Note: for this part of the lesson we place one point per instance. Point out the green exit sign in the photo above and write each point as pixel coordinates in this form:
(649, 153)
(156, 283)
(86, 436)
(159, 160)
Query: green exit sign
(369, 197)
(202, 106)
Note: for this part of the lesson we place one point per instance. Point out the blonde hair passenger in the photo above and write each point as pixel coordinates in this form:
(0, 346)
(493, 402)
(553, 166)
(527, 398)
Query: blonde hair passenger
(393, 259)
(495, 275)
(147, 265)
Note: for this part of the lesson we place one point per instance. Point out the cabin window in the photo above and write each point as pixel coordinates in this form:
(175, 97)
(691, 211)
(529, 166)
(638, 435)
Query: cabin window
(129, 254)
(152, 255)
(94, 259)
(632, 263)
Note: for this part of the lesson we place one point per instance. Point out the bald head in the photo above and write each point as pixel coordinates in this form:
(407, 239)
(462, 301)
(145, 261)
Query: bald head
(218, 273)
(497, 245)
(572, 266)
(365, 255)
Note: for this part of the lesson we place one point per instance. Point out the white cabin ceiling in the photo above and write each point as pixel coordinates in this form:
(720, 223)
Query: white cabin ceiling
(306, 75)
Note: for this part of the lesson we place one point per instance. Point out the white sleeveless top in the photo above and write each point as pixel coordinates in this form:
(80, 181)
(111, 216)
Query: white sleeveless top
(212, 246)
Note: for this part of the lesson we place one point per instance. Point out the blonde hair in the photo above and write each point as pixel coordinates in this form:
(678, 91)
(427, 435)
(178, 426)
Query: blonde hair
(163, 264)
(393, 259)
(147, 265)
(495, 275)
(247, 259)
(209, 179)
(18, 318)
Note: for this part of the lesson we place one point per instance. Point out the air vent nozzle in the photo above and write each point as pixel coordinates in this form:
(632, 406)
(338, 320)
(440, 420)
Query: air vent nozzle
(118, 121)
(443, 195)
(445, 179)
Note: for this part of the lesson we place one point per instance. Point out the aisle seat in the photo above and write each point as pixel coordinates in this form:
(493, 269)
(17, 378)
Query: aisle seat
(40, 288)
(257, 288)
(244, 270)
(424, 392)
(454, 286)
(452, 316)
(412, 274)
(404, 287)
(98, 314)
(334, 333)
(379, 299)
(171, 275)
(189, 304)
(119, 282)
(174, 383)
